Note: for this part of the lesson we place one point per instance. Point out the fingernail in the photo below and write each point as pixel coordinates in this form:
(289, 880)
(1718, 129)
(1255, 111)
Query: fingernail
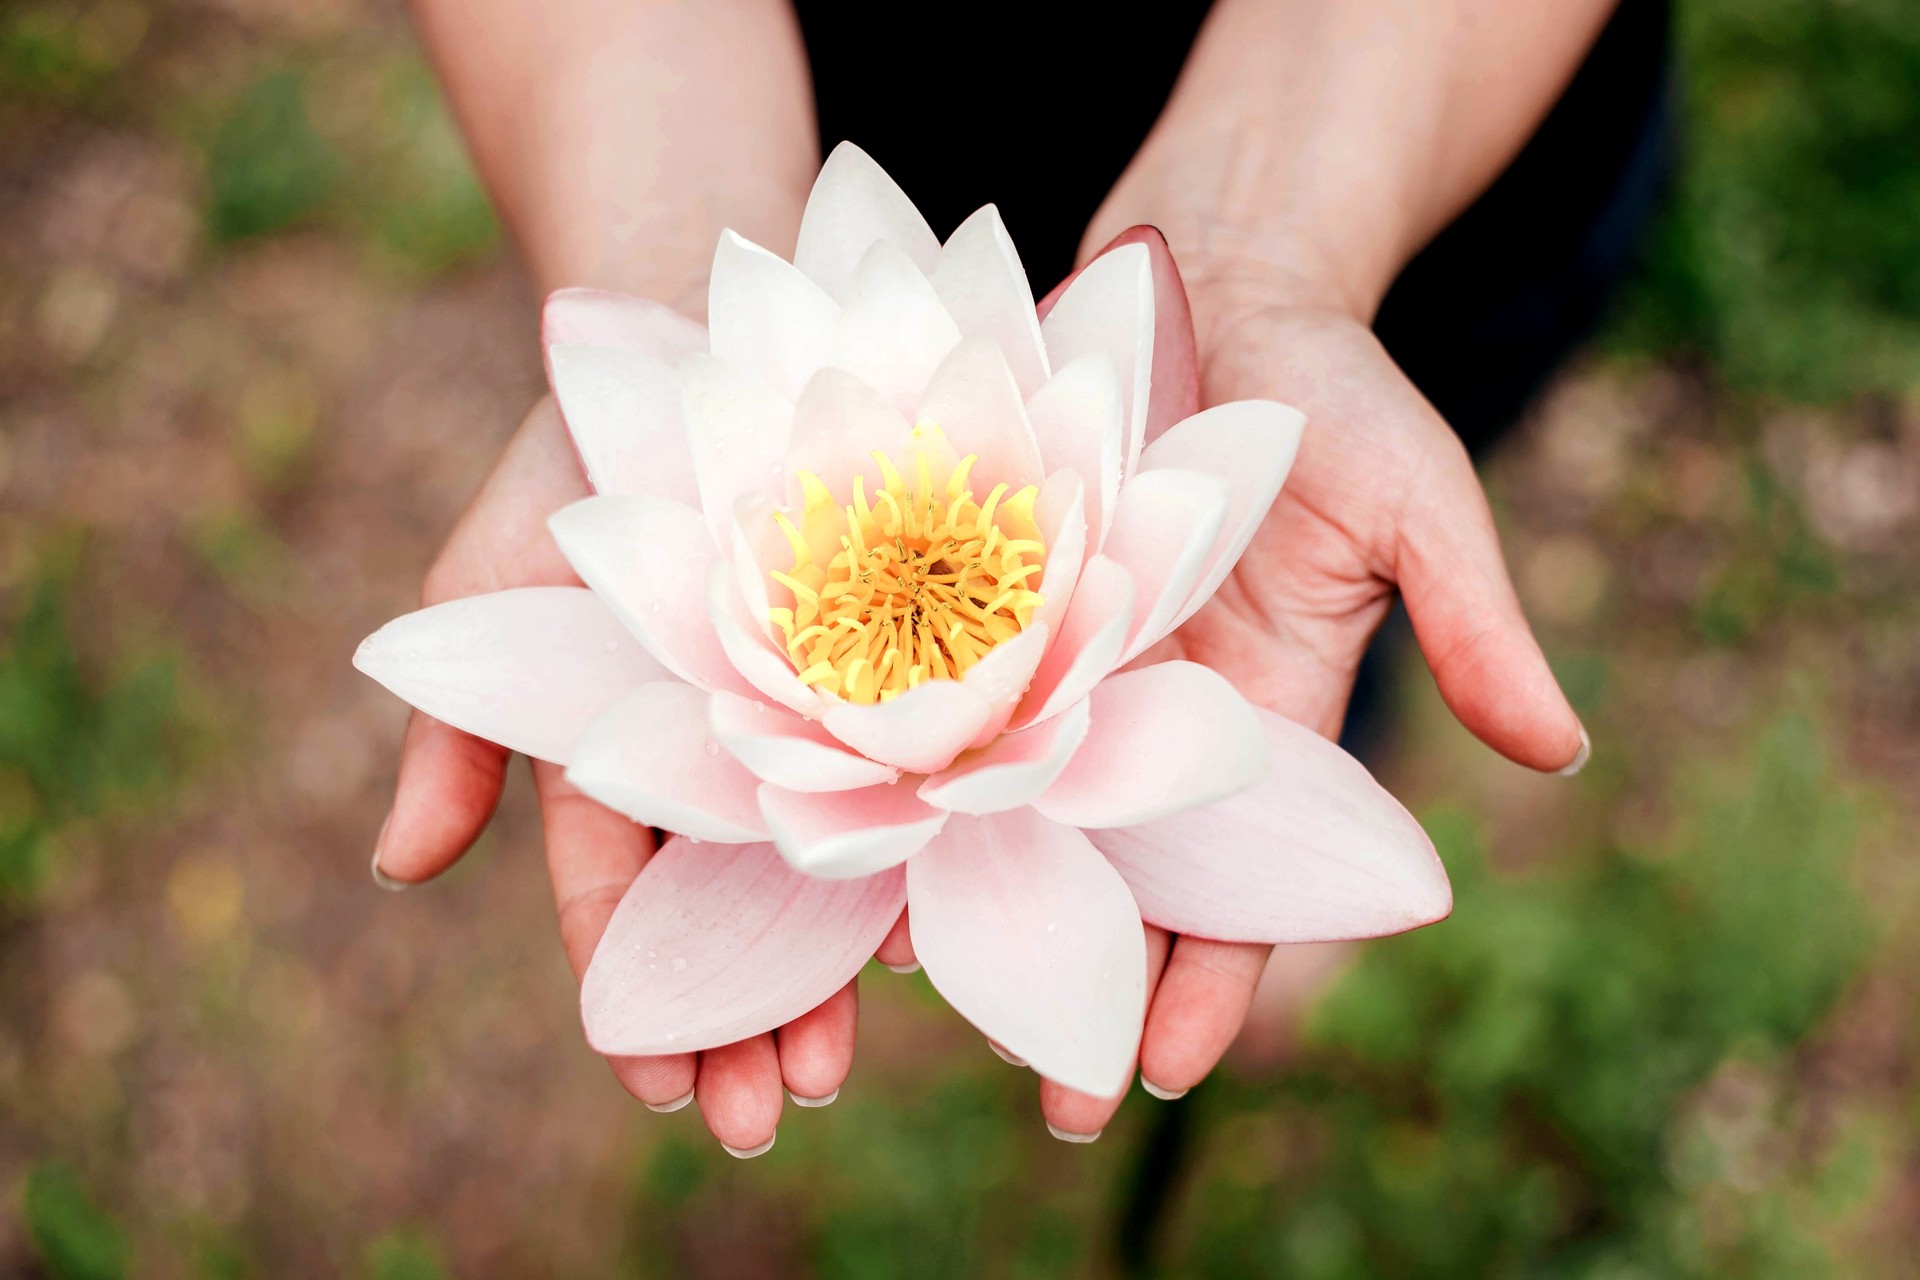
(1165, 1095)
(914, 967)
(748, 1153)
(825, 1099)
(1015, 1059)
(667, 1108)
(1064, 1136)
(380, 877)
(1580, 757)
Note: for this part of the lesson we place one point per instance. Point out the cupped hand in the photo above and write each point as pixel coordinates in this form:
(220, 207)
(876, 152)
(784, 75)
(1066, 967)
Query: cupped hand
(450, 782)
(1382, 501)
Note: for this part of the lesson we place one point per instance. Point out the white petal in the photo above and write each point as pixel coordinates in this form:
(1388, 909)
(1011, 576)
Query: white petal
(1079, 420)
(1109, 307)
(920, 731)
(1033, 938)
(1060, 512)
(601, 318)
(744, 640)
(716, 943)
(1092, 636)
(649, 559)
(1316, 852)
(853, 204)
(766, 317)
(528, 668)
(737, 433)
(975, 401)
(1164, 739)
(1248, 445)
(893, 332)
(1002, 678)
(1165, 526)
(838, 425)
(791, 752)
(653, 758)
(985, 289)
(843, 834)
(625, 415)
(1012, 770)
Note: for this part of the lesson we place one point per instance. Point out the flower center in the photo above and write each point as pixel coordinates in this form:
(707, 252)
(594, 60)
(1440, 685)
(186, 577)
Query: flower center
(916, 584)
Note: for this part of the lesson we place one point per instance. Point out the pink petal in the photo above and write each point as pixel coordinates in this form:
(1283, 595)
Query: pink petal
(920, 731)
(1079, 420)
(1165, 527)
(1092, 636)
(789, 751)
(1249, 446)
(600, 318)
(624, 412)
(1315, 853)
(853, 204)
(1165, 739)
(1109, 307)
(737, 432)
(648, 559)
(1032, 937)
(845, 834)
(653, 758)
(976, 402)
(838, 425)
(528, 668)
(715, 943)
(743, 638)
(1002, 678)
(766, 317)
(980, 280)
(1012, 770)
(1060, 512)
(893, 332)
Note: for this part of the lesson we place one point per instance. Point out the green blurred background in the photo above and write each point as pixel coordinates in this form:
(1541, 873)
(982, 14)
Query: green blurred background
(259, 338)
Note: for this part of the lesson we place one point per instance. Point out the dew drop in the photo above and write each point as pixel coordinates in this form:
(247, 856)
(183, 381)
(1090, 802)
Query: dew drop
(655, 606)
(651, 953)
(612, 646)
(712, 748)
(679, 964)
(1051, 926)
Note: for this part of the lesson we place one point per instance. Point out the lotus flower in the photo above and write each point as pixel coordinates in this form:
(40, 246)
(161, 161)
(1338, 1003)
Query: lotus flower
(868, 569)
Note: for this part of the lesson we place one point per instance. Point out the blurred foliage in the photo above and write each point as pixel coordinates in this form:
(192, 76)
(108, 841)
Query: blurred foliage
(75, 1239)
(1504, 1095)
(404, 1254)
(65, 54)
(74, 745)
(365, 147)
(1791, 260)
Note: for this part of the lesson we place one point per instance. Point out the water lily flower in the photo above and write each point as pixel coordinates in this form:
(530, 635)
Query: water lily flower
(870, 568)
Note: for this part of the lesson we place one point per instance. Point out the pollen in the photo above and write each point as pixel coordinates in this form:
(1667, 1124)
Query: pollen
(909, 582)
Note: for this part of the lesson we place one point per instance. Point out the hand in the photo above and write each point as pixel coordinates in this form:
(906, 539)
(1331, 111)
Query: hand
(1382, 498)
(450, 782)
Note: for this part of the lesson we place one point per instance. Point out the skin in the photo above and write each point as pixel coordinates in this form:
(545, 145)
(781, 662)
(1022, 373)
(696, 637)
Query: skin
(1310, 149)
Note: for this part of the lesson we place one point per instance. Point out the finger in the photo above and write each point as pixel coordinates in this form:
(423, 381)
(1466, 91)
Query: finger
(593, 854)
(1073, 1116)
(816, 1048)
(448, 787)
(1476, 640)
(896, 949)
(739, 1094)
(1197, 1011)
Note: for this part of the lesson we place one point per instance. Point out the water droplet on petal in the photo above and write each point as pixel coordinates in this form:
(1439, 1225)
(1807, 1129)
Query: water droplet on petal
(712, 748)
(1051, 926)
(612, 646)
(651, 953)
(655, 606)
(679, 964)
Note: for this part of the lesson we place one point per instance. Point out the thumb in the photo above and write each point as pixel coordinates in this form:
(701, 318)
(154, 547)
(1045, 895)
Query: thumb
(1475, 638)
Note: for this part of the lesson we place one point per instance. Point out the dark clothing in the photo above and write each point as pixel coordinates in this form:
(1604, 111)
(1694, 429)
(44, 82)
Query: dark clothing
(1039, 107)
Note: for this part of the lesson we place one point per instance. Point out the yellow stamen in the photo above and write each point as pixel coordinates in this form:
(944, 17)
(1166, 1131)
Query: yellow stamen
(924, 583)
